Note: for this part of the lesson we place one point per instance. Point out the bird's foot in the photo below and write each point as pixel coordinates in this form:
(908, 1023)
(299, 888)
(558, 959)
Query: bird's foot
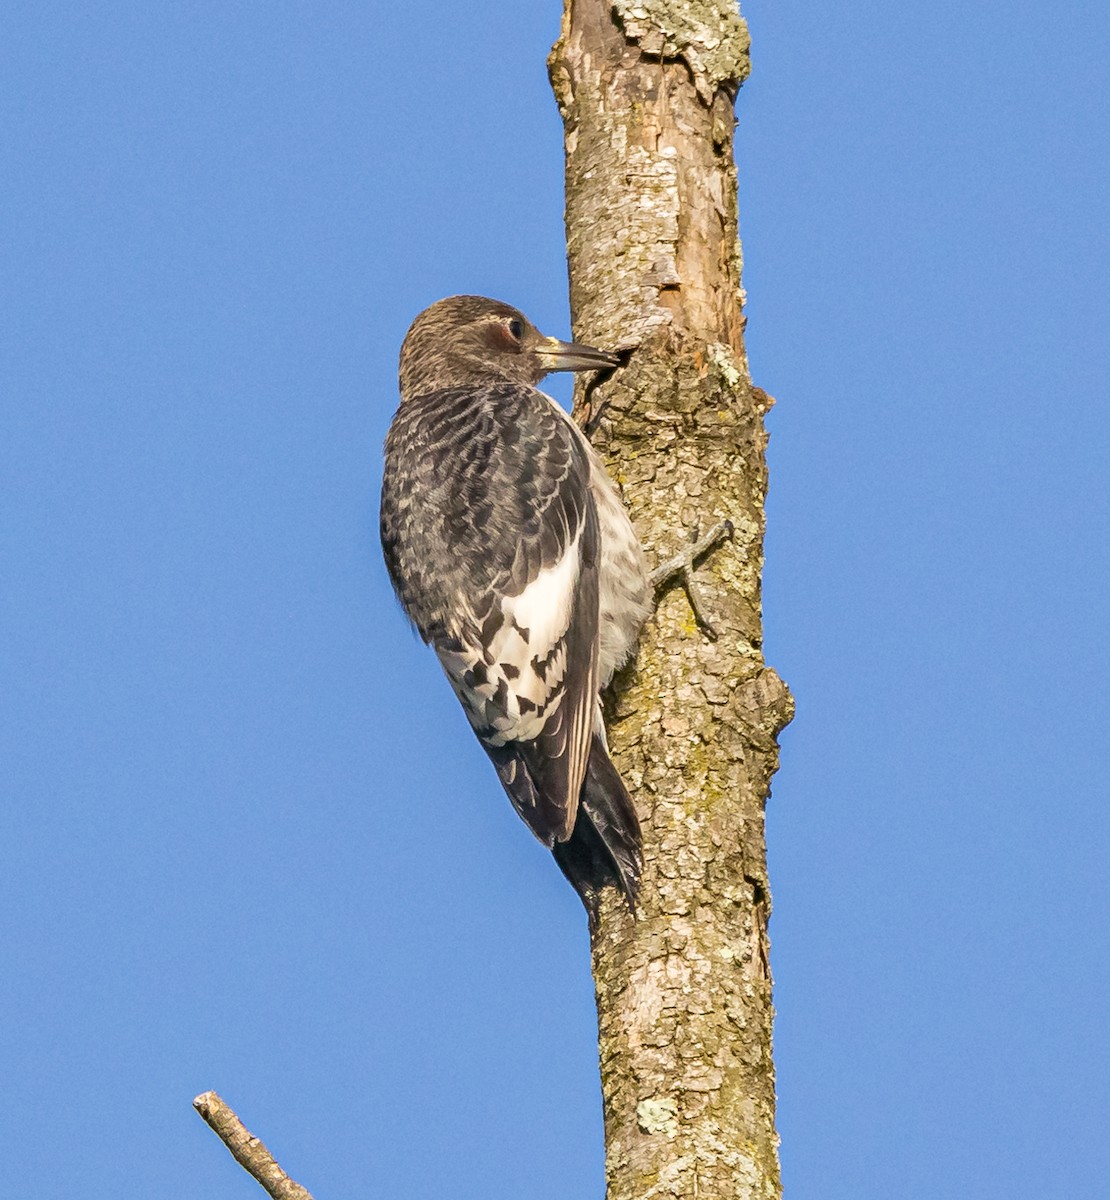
(682, 567)
(588, 415)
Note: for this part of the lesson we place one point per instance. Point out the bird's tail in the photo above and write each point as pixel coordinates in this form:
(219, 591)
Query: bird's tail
(604, 847)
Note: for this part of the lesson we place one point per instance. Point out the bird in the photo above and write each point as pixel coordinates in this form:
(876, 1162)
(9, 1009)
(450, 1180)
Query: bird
(512, 554)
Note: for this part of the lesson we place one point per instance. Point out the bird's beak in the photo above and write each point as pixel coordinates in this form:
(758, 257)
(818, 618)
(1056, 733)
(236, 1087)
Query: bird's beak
(573, 356)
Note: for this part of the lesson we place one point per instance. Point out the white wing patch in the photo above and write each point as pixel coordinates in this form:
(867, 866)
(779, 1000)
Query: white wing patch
(511, 686)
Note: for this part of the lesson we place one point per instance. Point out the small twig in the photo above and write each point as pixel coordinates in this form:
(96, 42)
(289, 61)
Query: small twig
(247, 1150)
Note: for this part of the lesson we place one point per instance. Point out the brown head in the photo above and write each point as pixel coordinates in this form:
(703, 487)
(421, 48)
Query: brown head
(467, 340)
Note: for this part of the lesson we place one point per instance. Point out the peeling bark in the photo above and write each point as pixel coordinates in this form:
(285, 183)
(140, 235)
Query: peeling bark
(646, 90)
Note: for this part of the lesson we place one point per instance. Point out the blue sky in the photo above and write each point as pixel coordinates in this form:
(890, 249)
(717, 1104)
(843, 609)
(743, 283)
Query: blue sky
(246, 840)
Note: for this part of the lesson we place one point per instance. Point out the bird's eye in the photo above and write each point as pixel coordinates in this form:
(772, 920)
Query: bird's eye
(516, 328)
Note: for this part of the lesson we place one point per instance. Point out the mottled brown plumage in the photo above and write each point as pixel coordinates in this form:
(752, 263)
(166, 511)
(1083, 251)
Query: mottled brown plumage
(513, 556)
(467, 341)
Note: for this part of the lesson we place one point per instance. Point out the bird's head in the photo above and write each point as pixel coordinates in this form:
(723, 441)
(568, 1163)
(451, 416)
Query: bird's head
(467, 340)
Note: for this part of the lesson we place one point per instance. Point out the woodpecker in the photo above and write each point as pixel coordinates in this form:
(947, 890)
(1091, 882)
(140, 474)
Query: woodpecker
(512, 554)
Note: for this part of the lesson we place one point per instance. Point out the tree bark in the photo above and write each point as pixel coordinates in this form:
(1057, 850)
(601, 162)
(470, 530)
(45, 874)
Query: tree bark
(247, 1150)
(646, 89)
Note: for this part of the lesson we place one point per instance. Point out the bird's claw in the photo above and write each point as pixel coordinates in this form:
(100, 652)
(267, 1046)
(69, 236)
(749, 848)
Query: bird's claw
(682, 565)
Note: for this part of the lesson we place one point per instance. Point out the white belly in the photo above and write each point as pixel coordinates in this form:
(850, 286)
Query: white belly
(624, 594)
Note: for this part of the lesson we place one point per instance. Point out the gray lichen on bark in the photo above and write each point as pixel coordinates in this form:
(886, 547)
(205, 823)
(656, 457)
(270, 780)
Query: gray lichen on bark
(710, 35)
(646, 90)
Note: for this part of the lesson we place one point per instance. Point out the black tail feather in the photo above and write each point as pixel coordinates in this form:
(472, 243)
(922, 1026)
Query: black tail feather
(604, 847)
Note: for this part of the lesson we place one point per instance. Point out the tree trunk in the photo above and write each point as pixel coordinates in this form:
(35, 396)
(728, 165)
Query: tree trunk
(646, 90)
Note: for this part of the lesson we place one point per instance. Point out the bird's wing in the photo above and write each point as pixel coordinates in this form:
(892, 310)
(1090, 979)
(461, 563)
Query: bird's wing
(491, 537)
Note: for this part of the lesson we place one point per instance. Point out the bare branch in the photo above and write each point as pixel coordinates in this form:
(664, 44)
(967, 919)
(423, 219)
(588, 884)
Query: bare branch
(247, 1150)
